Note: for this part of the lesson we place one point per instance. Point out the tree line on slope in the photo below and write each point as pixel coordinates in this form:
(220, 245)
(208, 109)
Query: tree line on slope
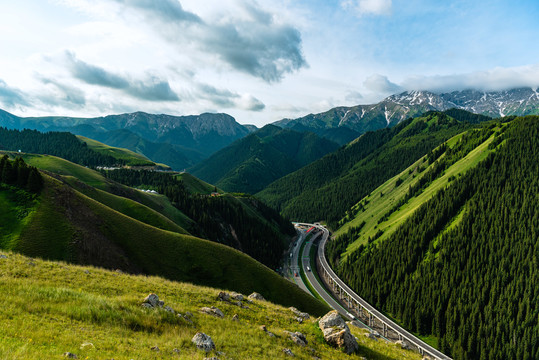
(61, 144)
(472, 284)
(18, 173)
(245, 223)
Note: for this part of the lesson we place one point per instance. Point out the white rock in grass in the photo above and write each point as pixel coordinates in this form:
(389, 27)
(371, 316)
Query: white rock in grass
(203, 342)
(151, 299)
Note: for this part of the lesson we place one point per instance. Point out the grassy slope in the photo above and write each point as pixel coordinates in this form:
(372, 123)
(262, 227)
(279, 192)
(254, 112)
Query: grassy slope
(376, 206)
(51, 308)
(68, 225)
(93, 178)
(196, 186)
(131, 158)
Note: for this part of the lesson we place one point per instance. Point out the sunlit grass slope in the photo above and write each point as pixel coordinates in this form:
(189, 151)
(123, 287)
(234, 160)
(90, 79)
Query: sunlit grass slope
(372, 209)
(69, 226)
(50, 308)
(130, 157)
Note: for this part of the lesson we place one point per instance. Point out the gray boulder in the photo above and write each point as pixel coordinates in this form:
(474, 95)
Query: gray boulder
(337, 333)
(223, 296)
(237, 296)
(288, 352)
(256, 296)
(203, 342)
(403, 345)
(297, 337)
(212, 311)
(152, 299)
(2, 256)
(300, 314)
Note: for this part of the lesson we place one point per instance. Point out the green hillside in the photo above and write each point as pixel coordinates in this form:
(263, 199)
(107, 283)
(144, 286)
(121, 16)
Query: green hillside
(251, 163)
(129, 157)
(458, 260)
(327, 188)
(196, 186)
(52, 308)
(381, 212)
(66, 225)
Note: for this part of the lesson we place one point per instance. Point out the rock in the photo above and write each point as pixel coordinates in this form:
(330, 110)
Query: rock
(371, 336)
(297, 337)
(169, 309)
(146, 305)
(160, 303)
(151, 299)
(154, 348)
(337, 333)
(265, 329)
(235, 317)
(212, 311)
(403, 344)
(175, 350)
(288, 352)
(300, 314)
(188, 314)
(223, 296)
(70, 355)
(236, 296)
(87, 272)
(2, 256)
(203, 342)
(300, 320)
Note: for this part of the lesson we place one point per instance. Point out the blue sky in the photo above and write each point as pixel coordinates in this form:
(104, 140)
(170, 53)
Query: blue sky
(258, 60)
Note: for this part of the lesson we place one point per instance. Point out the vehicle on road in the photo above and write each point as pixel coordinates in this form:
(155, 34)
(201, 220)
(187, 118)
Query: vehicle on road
(296, 274)
(308, 268)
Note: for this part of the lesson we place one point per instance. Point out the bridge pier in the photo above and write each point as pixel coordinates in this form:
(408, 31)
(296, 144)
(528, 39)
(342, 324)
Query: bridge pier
(384, 331)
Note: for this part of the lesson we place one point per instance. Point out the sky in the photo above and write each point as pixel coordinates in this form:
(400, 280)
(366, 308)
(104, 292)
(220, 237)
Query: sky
(257, 60)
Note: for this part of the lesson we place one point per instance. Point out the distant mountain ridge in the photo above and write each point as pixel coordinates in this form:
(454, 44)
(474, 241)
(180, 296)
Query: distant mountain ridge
(251, 163)
(396, 108)
(188, 138)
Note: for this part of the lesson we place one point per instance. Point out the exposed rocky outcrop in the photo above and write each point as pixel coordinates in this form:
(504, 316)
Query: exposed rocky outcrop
(337, 333)
(203, 342)
(288, 352)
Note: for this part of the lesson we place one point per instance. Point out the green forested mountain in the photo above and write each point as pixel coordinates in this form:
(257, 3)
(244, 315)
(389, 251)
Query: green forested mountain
(327, 188)
(179, 141)
(251, 163)
(61, 144)
(464, 265)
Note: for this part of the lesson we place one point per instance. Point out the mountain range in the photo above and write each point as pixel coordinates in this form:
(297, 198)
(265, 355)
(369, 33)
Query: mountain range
(178, 141)
(396, 108)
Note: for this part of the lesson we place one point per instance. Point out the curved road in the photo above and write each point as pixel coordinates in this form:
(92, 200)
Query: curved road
(410, 338)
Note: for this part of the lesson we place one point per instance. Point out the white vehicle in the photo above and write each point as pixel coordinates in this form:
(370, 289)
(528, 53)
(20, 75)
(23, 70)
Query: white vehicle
(308, 268)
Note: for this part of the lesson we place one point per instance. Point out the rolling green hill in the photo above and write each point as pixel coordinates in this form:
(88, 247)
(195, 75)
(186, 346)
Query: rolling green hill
(450, 249)
(52, 308)
(63, 224)
(327, 188)
(129, 157)
(251, 163)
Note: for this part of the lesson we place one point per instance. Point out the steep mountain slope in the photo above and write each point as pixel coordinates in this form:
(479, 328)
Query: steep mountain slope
(63, 224)
(327, 188)
(461, 266)
(130, 158)
(187, 135)
(97, 314)
(396, 108)
(251, 163)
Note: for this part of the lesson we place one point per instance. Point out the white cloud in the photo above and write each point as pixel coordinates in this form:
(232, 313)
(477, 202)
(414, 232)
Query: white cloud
(492, 80)
(381, 84)
(368, 7)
